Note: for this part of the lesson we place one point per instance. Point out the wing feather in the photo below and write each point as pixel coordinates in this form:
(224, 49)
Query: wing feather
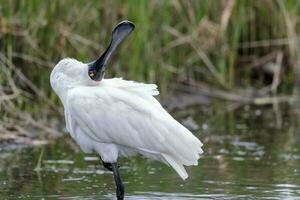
(134, 120)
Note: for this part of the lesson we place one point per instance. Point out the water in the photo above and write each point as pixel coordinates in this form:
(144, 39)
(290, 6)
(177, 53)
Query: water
(250, 153)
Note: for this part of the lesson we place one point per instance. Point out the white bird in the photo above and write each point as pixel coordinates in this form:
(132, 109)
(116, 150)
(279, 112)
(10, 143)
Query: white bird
(116, 117)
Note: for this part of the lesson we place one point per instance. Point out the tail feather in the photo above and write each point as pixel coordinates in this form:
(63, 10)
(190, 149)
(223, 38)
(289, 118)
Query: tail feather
(179, 168)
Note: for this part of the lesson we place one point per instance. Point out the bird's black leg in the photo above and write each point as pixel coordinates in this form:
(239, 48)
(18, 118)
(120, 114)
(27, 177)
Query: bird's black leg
(114, 167)
(118, 181)
(107, 166)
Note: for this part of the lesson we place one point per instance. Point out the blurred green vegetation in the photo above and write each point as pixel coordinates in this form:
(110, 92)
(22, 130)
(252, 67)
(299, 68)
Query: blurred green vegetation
(240, 47)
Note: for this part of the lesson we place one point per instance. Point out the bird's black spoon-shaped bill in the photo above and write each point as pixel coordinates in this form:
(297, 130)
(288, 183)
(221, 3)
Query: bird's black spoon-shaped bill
(120, 32)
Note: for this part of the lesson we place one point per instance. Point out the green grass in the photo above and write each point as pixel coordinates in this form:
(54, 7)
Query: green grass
(225, 45)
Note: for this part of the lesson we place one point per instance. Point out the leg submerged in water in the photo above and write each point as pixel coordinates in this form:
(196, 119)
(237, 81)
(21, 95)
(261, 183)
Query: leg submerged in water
(114, 167)
(118, 181)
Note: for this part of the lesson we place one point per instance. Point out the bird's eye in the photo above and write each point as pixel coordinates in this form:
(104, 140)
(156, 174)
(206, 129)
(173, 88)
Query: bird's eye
(92, 73)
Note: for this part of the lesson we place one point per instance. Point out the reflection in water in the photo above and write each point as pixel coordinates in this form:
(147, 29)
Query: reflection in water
(247, 156)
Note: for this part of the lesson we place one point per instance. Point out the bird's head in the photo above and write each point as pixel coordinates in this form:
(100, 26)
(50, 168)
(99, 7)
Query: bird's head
(69, 72)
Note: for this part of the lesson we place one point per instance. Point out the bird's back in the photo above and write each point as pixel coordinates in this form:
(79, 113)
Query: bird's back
(126, 115)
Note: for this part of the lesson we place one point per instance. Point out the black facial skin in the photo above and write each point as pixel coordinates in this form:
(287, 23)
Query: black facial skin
(96, 68)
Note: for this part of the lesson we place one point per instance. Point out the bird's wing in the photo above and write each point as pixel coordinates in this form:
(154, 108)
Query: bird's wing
(135, 120)
(138, 88)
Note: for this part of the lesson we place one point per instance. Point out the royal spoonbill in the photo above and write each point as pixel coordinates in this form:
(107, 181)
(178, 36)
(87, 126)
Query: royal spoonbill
(116, 117)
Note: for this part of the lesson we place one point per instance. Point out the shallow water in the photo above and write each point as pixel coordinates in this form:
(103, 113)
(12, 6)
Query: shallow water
(250, 153)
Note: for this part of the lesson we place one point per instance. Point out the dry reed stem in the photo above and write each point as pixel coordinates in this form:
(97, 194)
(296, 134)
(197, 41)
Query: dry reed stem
(191, 41)
(229, 4)
(276, 76)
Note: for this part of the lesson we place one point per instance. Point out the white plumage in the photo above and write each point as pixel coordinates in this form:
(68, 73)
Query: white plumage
(115, 117)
